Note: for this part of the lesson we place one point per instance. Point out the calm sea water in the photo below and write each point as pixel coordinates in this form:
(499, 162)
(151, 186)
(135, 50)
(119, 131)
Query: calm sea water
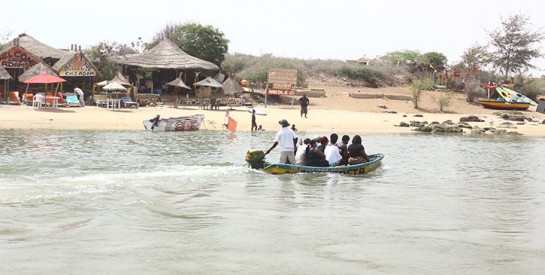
(136, 202)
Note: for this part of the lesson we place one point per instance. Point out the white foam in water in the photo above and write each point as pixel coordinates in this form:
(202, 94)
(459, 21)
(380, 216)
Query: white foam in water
(164, 172)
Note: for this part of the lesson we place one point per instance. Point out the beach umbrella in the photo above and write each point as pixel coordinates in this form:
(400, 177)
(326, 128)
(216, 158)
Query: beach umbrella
(44, 79)
(114, 86)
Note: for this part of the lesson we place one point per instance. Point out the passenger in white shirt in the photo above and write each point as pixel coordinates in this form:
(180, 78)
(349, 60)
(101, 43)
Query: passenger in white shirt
(287, 139)
(332, 152)
(300, 156)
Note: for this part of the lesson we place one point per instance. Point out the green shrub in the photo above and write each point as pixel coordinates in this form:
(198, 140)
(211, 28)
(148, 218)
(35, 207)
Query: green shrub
(534, 89)
(445, 100)
(417, 86)
(365, 74)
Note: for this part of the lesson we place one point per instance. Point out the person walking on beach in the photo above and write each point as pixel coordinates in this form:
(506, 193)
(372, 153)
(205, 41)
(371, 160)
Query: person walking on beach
(79, 92)
(287, 139)
(254, 123)
(304, 104)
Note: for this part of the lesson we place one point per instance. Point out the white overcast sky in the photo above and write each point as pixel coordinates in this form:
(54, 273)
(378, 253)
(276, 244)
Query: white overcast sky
(308, 29)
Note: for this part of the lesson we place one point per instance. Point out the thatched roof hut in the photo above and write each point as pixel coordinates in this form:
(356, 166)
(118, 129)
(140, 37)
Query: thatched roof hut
(178, 82)
(34, 46)
(231, 87)
(4, 75)
(166, 55)
(36, 70)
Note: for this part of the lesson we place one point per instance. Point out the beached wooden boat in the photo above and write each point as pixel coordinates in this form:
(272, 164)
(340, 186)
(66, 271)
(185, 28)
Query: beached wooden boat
(362, 168)
(181, 123)
(502, 105)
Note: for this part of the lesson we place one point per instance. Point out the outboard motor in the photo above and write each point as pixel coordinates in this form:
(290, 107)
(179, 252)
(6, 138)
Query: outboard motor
(256, 159)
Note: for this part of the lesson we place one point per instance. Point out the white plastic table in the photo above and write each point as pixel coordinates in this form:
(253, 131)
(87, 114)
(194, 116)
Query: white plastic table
(113, 103)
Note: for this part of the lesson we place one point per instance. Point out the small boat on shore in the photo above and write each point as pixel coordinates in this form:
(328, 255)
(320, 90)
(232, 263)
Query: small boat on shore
(503, 105)
(181, 123)
(256, 161)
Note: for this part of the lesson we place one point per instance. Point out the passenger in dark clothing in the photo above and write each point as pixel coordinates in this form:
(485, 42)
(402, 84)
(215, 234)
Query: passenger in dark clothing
(304, 102)
(155, 121)
(343, 146)
(254, 123)
(315, 157)
(323, 143)
(356, 151)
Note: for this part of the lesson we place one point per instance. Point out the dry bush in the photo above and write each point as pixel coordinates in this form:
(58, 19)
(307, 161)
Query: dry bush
(473, 90)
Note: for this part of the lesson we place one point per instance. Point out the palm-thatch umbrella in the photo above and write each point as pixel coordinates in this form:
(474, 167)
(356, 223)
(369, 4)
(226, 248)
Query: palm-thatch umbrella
(114, 86)
(210, 83)
(231, 87)
(178, 84)
(4, 75)
(118, 78)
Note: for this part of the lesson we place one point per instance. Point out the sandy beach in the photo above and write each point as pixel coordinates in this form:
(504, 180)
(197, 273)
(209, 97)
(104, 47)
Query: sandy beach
(337, 112)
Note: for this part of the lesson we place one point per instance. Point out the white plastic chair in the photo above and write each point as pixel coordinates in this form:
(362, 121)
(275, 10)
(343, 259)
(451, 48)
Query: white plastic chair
(38, 101)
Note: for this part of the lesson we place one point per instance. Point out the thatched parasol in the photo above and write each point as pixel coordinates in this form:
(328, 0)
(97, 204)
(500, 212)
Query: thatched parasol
(118, 78)
(114, 86)
(231, 87)
(208, 82)
(166, 55)
(178, 82)
(36, 70)
(4, 75)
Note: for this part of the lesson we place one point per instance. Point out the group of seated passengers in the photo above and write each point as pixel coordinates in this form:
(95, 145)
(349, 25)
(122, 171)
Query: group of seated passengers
(328, 153)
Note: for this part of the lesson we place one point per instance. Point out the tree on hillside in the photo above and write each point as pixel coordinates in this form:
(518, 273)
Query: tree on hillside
(474, 58)
(402, 57)
(433, 58)
(515, 45)
(204, 42)
(99, 54)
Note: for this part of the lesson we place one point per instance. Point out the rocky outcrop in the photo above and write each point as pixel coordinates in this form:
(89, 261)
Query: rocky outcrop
(511, 117)
(493, 131)
(471, 119)
(435, 127)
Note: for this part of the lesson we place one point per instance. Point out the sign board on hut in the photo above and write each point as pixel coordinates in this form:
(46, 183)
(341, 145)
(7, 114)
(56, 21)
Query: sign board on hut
(78, 66)
(18, 57)
(282, 81)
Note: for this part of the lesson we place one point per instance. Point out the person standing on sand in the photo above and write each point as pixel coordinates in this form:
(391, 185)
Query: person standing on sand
(288, 140)
(304, 102)
(79, 92)
(254, 123)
